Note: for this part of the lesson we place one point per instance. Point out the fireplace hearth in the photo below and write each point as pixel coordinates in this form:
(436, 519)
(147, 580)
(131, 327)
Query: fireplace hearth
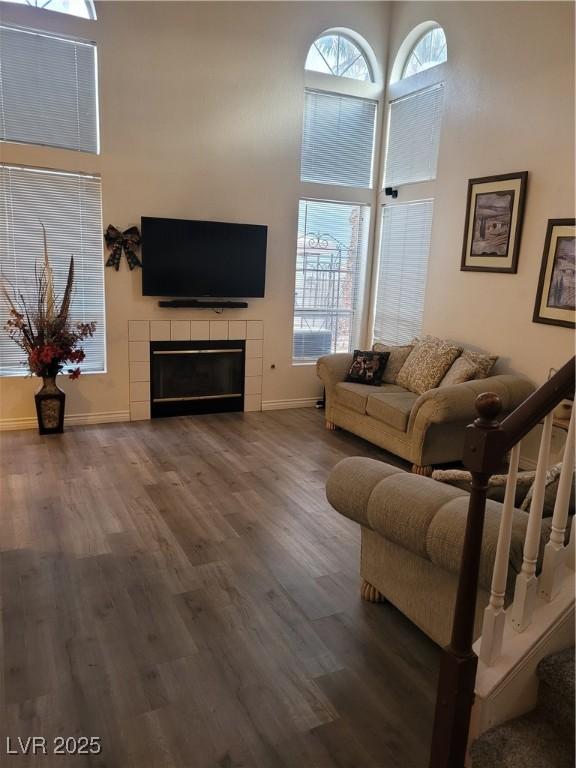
(193, 377)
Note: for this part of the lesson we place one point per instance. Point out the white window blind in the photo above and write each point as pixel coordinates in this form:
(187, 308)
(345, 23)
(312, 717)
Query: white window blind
(48, 90)
(330, 267)
(338, 139)
(69, 205)
(402, 270)
(414, 137)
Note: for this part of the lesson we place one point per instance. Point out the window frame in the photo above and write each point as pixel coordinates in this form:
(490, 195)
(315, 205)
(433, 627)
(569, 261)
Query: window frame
(362, 270)
(334, 193)
(360, 47)
(416, 44)
(91, 8)
(398, 88)
(90, 176)
(48, 158)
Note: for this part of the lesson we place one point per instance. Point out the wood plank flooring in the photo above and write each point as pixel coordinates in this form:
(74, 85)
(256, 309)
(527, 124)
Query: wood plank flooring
(181, 589)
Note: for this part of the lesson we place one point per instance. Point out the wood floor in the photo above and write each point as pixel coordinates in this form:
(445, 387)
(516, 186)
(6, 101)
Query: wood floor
(181, 589)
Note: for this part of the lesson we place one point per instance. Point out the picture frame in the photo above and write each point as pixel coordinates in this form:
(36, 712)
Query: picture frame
(555, 300)
(493, 227)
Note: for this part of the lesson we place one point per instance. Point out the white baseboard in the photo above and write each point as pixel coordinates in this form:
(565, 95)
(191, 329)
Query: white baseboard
(278, 405)
(74, 419)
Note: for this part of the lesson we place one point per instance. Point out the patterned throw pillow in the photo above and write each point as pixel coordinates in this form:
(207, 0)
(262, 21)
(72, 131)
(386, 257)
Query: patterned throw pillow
(367, 367)
(427, 364)
(461, 370)
(398, 356)
(484, 363)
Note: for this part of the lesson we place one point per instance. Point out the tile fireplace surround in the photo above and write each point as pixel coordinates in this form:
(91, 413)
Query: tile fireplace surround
(142, 332)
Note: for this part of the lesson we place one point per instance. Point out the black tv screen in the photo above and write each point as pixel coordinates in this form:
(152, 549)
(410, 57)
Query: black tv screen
(203, 258)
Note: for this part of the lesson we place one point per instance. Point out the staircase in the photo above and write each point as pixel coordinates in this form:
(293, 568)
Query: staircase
(501, 694)
(543, 738)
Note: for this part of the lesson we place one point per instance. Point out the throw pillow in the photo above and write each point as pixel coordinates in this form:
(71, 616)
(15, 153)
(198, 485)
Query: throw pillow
(484, 363)
(427, 364)
(396, 360)
(461, 370)
(550, 491)
(367, 367)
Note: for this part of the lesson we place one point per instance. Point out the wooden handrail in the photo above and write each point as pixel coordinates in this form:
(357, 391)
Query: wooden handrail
(486, 445)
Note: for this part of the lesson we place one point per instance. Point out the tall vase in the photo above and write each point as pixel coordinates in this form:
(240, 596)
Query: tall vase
(50, 401)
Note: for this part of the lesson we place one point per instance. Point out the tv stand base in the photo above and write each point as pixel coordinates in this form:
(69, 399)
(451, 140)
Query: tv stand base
(196, 304)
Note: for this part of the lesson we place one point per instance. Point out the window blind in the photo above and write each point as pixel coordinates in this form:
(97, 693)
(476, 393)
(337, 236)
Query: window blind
(69, 206)
(330, 265)
(48, 90)
(402, 270)
(338, 139)
(413, 137)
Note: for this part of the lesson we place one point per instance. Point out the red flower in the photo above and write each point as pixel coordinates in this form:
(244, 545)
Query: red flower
(74, 373)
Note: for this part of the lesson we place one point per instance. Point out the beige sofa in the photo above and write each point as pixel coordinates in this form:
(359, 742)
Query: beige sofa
(424, 429)
(412, 536)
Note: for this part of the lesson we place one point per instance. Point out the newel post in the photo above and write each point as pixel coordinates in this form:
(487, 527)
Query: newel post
(458, 663)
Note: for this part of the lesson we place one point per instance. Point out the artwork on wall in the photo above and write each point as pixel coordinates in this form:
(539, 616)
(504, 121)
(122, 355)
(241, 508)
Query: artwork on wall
(494, 213)
(555, 300)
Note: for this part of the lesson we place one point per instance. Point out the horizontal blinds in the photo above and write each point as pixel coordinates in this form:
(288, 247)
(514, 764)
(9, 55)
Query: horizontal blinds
(48, 91)
(69, 206)
(330, 263)
(402, 270)
(338, 139)
(413, 137)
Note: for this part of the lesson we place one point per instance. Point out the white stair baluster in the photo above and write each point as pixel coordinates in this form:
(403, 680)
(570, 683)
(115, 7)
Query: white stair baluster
(555, 552)
(526, 581)
(495, 614)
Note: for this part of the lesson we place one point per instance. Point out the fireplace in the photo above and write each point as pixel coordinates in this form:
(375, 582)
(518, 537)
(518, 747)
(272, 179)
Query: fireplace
(188, 377)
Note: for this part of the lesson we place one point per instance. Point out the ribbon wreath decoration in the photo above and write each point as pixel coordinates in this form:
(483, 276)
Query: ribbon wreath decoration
(127, 241)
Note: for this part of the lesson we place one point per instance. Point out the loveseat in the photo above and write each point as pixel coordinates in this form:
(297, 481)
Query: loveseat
(412, 536)
(425, 429)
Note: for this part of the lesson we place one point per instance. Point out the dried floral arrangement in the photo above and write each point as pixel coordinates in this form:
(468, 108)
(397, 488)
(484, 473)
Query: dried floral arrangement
(42, 327)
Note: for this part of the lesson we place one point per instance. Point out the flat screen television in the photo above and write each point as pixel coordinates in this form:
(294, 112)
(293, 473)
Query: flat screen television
(203, 258)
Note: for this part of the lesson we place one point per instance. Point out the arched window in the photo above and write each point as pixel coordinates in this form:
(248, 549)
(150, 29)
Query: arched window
(407, 201)
(429, 51)
(337, 54)
(82, 8)
(337, 178)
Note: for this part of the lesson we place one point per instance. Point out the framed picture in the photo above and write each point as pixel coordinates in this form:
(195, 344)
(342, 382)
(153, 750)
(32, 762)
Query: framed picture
(555, 301)
(494, 213)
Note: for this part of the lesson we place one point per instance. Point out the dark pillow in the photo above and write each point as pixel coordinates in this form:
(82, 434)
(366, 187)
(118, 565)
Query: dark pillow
(368, 367)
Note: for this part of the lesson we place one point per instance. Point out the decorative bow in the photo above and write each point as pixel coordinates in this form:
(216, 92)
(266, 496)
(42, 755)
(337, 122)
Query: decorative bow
(127, 241)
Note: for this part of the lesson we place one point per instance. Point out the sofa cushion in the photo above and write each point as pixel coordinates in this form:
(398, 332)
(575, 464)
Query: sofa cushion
(396, 360)
(355, 396)
(392, 408)
(427, 364)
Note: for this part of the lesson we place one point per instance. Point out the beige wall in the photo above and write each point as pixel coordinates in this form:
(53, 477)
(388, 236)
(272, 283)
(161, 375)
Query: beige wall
(201, 110)
(509, 107)
(201, 117)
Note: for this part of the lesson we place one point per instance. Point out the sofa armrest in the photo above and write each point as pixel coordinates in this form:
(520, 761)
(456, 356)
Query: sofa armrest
(457, 402)
(333, 368)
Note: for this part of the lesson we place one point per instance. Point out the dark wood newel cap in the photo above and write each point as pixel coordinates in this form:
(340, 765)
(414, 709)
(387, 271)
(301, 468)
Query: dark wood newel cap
(488, 405)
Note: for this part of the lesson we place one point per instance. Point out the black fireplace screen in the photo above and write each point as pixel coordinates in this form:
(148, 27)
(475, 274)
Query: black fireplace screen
(196, 377)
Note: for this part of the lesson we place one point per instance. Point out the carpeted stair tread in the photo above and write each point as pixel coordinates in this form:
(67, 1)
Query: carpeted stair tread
(527, 742)
(557, 671)
(556, 691)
